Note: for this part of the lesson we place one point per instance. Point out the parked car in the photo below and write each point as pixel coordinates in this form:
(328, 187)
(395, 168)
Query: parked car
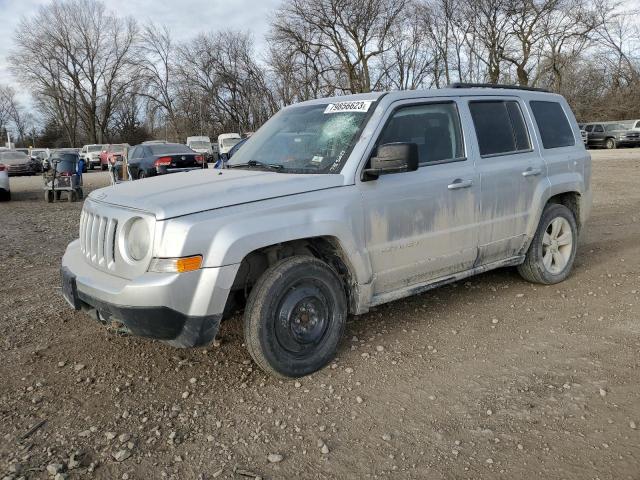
(611, 135)
(91, 155)
(149, 160)
(585, 136)
(633, 125)
(17, 163)
(201, 145)
(226, 141)
(5, 191)
(335, 206)
(112, 153)
(39, 154)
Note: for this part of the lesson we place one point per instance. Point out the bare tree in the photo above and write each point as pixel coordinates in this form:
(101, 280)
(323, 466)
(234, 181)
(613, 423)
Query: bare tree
(87, 57)
(354, 32)
(409, 61)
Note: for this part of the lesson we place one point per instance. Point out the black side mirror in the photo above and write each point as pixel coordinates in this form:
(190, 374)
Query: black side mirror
(392, 158)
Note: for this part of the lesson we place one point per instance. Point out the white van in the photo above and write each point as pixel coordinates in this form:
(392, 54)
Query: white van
(226, 141)
(202, 145)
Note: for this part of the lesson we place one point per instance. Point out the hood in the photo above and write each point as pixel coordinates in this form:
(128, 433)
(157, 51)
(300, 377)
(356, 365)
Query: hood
(177, 194)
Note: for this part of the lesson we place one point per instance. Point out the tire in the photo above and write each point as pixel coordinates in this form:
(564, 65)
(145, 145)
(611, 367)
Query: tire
(610, 144)
(57, 194)
(71, 196)
(48, 196)
(79, 193)
(142, 174)
(296, 291)
(549, 261)
(104, 167)
(90, 166)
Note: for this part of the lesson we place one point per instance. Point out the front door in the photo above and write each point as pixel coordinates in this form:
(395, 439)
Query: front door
(421, 225)
(510, 173)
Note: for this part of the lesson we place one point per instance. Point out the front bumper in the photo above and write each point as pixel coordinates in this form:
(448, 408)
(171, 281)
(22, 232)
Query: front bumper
(182, 309)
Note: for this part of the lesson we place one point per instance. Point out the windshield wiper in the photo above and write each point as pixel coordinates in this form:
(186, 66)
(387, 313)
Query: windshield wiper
(257, 163)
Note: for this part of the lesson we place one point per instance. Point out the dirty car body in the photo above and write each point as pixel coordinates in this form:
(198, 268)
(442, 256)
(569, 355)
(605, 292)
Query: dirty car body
(312, 184)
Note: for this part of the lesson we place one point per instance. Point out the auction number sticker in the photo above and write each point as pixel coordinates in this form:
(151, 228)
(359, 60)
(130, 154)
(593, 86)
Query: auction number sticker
(342, 107)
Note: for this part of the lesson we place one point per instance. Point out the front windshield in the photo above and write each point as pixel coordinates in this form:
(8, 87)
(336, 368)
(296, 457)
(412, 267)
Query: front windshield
(306, 139)
(94, 148)
(200, 145)
(614, 126)
(229, 142)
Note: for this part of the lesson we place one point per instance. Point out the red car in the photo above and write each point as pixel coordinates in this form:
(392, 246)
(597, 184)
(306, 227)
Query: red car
(112, 154)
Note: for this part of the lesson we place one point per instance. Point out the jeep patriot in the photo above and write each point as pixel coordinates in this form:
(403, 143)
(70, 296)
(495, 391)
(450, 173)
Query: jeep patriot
(334, 206)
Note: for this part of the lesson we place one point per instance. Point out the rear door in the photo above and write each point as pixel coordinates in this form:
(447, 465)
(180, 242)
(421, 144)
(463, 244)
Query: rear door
(597, 135)
(511, 172)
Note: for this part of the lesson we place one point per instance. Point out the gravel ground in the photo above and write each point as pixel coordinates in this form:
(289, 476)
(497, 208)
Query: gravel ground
(488, 378)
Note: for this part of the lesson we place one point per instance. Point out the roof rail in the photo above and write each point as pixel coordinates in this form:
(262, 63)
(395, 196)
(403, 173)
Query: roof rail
(495, 85)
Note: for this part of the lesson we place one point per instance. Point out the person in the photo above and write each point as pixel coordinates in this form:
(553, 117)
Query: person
(80, 168)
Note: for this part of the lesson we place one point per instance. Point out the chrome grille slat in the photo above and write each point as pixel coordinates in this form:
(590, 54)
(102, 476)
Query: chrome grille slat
(102, 227)
(98, 239)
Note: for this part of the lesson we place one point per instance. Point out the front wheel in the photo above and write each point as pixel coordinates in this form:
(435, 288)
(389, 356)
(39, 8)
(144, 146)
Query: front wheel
(610, 144)
(553, 249)
(295, 317)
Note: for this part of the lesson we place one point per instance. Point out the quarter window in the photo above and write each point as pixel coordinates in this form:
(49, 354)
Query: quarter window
(553, 125)
(434, 127)
(500, 127)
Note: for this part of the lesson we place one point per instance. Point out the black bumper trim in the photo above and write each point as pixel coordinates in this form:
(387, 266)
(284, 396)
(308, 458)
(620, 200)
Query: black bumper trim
(161, 323)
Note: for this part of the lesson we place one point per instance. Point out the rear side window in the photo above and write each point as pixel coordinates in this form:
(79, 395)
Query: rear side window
(500, 127)
(553, 124)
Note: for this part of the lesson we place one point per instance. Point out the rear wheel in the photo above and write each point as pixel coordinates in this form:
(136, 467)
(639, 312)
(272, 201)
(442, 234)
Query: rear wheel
(142, 175)
(71, 196)
(48, 196)
(295, 317)
(610, 143)
(79, 193)
(553, 249)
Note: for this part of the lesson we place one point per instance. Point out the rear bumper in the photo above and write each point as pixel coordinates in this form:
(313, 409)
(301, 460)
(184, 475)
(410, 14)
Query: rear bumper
(183, 309)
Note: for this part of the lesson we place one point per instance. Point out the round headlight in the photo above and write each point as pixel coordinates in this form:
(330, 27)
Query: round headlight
(137, 239)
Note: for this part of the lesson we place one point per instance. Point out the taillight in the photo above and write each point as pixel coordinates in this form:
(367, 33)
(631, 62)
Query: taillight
(162, 162)
(199, 158)
(2, 167)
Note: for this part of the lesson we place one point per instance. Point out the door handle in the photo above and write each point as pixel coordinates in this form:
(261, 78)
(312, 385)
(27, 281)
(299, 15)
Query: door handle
(531, 172)
(459, 183)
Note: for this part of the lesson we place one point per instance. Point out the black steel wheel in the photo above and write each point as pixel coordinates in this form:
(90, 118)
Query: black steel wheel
(295, 317)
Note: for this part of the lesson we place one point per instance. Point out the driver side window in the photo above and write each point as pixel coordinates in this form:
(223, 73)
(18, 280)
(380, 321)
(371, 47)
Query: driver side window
(598, 128)
(434, 128)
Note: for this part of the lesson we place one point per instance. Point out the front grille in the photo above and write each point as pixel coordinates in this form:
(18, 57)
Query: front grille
(98, 239)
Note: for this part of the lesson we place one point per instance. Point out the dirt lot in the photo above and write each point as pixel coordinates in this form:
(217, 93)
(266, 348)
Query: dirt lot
(489, 378)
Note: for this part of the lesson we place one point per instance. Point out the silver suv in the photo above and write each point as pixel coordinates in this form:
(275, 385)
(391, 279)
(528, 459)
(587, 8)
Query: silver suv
(334, 206)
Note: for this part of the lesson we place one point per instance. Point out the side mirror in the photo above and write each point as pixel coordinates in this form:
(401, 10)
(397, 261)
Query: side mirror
(392, 158)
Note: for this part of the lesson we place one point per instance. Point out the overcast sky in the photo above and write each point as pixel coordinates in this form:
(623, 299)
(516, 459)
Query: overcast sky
(183, 17)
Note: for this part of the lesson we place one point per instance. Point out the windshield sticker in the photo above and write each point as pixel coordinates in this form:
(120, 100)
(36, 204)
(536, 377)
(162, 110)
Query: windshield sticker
(342, 107)
(317, 159)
